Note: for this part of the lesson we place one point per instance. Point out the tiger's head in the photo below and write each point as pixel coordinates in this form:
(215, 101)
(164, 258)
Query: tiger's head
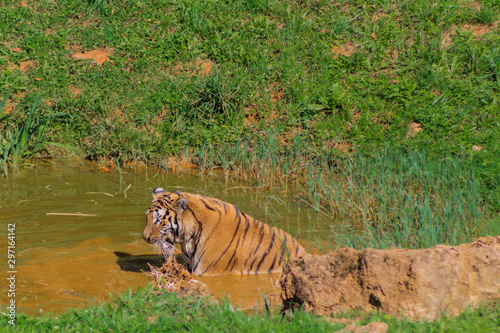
(164, 225)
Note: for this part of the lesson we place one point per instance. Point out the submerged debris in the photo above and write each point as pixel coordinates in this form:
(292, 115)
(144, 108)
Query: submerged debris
(170, 275)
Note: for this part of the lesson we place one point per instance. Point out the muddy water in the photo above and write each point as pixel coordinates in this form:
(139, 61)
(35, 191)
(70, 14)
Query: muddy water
(78, 232)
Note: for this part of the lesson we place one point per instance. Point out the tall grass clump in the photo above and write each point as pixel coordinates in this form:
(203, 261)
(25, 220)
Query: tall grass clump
(402, 199)
(397, 197)
(21, 140)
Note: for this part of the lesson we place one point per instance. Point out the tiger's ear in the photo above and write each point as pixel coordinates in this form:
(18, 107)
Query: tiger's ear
(181, 205)
(157, 191)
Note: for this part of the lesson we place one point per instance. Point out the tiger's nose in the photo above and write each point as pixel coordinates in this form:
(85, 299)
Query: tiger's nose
(146, 237)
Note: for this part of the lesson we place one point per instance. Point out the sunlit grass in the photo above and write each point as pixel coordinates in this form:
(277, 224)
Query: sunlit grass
(319, 95)
(145, 311)
(389, 198)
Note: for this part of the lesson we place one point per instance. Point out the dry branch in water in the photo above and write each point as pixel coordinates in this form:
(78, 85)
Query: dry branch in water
(71, 214)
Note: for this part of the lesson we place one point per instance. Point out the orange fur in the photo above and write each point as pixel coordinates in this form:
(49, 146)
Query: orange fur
(215, 237)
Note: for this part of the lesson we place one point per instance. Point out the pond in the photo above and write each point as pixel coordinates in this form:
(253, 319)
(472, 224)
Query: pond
(78, 232)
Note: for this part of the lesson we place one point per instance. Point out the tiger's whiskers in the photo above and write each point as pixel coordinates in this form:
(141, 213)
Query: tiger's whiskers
(164, 247)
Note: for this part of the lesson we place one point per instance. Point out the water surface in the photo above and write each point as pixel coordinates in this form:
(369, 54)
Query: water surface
(68, 261)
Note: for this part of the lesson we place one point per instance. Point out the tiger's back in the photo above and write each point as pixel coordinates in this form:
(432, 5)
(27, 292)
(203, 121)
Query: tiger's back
(215, 237)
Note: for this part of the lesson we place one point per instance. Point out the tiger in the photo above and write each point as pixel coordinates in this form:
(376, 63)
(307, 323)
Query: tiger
(215, 237)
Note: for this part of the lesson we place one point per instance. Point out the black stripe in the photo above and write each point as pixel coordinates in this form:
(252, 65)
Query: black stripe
(187, 255)
(199, 259)
(176, 227)
(232, 257)
(219, 203)
(245, 265)
(198, 238)
(242, 239)
(258, 244)
(286, 245)
(231, 269)
(227, 248)
(206, 205)
(266, 253)
(253, 262)
(260, 240)
(246, 230)
(272, 265)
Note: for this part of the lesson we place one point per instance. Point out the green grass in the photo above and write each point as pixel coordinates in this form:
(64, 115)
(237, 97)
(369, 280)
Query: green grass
(273, 91)
(21, 141)
(317, 95)
(274, 62)
(409, 200)
(144, 311)
(393, 197)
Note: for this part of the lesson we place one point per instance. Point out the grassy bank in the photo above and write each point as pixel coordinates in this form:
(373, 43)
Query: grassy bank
(145, 311)
(150, 79)
(387, 113)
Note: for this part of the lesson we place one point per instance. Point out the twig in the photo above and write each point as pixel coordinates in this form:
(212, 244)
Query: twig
(125, 192)
(109, 195)
(71, 214)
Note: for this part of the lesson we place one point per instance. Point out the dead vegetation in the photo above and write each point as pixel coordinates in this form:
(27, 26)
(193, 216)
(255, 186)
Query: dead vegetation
(170, 276)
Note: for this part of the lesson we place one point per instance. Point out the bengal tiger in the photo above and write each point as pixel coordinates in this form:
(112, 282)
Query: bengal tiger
(215, 237)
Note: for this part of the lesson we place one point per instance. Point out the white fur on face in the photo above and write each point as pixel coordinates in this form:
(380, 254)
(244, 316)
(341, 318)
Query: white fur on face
(158, 216)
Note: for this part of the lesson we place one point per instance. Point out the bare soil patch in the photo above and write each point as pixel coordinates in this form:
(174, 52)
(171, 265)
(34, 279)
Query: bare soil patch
(201, 67)
(25, 65)
(8, 108)
(394, 54)
(277, 93)
(341, 146)
(377, 16)
(346, 49)
(413, 129)
(253, 118)
(288, 136)
(100, 55)
(477, 31)
(474, 5)
(13, 101)
(75, 91)
(176, 164)
(476, 148)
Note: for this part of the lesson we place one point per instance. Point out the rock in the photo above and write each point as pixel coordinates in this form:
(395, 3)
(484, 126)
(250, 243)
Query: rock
(420, 284)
